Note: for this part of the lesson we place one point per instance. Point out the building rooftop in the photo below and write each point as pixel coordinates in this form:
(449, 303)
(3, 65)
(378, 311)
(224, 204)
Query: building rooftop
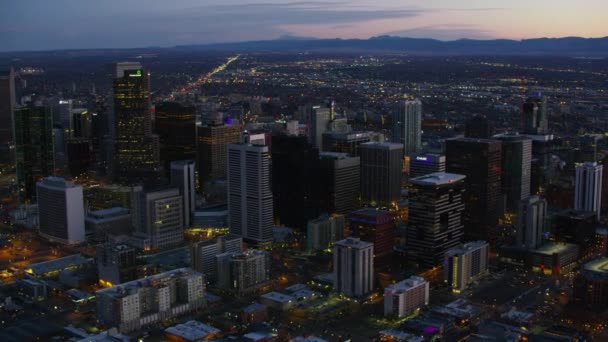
(406, 284)
(354, 242)
(193, 331)
(382, 145)
(57, 264)
(598, 267)
(399, 335)
(151, 281)
(58, 182)
(254, 307)
(438, 178)
(278, 297)
(108, 213)
(307, 339)
(554, 248)
(334, 155)
(467, 247)
(370, 213)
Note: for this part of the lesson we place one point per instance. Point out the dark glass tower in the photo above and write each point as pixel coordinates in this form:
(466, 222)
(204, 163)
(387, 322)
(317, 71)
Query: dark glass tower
(136, 148)
(381, 165)
(534, 115)
(516, 165)
(478, 127)
(480, 161)
(7, 106)
(33, 148)
(176, 128)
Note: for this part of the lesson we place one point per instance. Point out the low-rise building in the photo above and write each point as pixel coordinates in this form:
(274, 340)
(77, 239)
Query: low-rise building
(191, 331)
(406, 296)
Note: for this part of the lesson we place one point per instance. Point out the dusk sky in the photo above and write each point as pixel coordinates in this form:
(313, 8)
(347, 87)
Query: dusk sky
(63, 24)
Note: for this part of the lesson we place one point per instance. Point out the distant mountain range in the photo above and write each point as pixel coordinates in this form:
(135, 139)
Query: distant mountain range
(568, 46)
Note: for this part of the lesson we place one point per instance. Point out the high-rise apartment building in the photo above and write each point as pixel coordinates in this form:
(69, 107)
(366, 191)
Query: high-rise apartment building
(136, 156)
(250, 201)
(139, 303)
(480, 161)
(213, 141)
(435, 216)
(182, 177)
(531, 219)
(61, 210)
(517, 168)
(203, 254)
(353, 267)
(243, 272)
(381, 165)
(175, 125)
(406, 296)
(465, 264)
(407, 128)
(588, 187)
(320, 119)
(341, 178)
(33, 148)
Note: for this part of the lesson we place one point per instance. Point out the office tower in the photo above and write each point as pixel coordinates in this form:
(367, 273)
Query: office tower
(59, 150)
(176, 128)
(113, 195)
(588, 147)
(516, 166)
(78, 156)
(464, 264)
(591, 285)
(295, 180)
(478, 127)
(424, 164)
(381, 165)
(322, 232)
(576, 227)
(212, 146)
(60, 210)
(531, 219)
(534, 115)
(182, 177)
(164, 220)
(406, 296)
(139, 303)
(320, 119)
(436, 207)
(541, 171)
(100, 224)
(33, 149)
(480, 161)
(407, 128)
(349, 142)
(7, 107)
(353, 267)
(249, 194)
(82, 123)
(116, 263)
(243, 272)
(588, 187)
(340, 176)
(203, 254)
(136, 148)
(377, 227)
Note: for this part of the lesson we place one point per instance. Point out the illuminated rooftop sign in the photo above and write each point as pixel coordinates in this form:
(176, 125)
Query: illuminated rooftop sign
(136, 74)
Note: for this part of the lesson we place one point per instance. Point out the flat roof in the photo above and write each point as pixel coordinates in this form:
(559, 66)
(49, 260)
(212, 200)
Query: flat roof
(277, 297)
(438, 178)
(382, 145)
(554, 248)
(192, 330)
(123, 289)
(598, 266)
(57, 264)
(467, 247)
(354, 242)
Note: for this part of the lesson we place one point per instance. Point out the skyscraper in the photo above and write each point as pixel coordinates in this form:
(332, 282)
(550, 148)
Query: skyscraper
(322, 232)
(516, 165)
(33, 148)
(249, 193)
(7, 107)
(588, 187)
(61, 210)
(534, 115)
(381, 165)
(295, 202)
(478, 127)
(424, 164)
(531, 220)
(164, 220)
(212, 146)
(407, 128)
(182, 177)
(320, 120)
(377, 227)
(480, 161)
(435, 216)
(176, 128)
(137, 149)
(341, 177)
(353, 267)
